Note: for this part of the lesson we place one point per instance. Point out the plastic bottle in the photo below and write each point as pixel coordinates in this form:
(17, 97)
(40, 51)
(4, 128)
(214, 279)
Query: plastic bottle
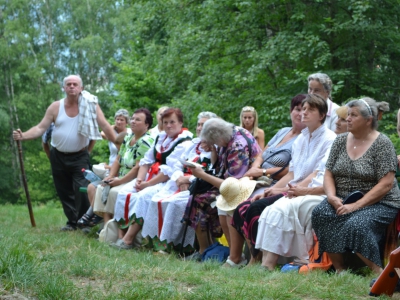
(90, 176)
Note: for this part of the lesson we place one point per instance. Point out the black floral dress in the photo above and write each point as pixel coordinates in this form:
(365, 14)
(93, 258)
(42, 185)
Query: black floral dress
(361, 230)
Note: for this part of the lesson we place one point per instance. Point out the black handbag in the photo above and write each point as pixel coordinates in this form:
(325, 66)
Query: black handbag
(353, 197)
(200, 186)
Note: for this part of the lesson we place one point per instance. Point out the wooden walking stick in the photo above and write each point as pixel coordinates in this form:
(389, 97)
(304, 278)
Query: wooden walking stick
(28, 198)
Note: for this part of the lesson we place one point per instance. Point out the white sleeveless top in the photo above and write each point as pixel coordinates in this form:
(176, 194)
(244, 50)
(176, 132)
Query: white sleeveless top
(65, 137)
(113, 151)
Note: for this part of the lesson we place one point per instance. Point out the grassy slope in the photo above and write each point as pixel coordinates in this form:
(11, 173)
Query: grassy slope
(44, 263)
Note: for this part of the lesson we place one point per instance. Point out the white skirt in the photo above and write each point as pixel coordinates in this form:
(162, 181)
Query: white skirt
(119, 208)
(163, 219)
(135, 204)
(98, 206)
(284, 227)
(161, 190)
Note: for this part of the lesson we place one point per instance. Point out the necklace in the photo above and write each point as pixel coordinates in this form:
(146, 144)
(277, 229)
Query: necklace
(362, 143)
(198, 152)
(162, 148)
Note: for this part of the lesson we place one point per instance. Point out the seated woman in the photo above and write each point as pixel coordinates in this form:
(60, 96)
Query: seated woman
(249, 121)
(151, 178)
(284, 228)
(121, 118)
(363, 160)
(163, 212)
(155, 131)
(307, 152)
(237, 150)
(341, 123)
(126, 165)
(278, 152)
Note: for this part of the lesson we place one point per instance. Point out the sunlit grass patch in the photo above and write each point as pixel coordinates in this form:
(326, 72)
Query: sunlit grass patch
(44, 263)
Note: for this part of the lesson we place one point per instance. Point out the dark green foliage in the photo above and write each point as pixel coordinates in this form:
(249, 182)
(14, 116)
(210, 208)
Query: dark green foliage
(223, 55)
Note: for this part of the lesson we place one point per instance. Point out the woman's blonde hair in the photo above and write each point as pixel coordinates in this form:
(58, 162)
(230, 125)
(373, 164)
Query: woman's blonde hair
(342, 112)
(251, 109)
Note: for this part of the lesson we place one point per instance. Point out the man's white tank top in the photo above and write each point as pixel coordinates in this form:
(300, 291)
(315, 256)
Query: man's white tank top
(65, 137)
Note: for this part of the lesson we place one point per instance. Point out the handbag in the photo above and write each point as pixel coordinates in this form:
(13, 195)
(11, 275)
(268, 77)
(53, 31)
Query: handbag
(316, 261)
(200, 186)
(353, 197)
(270, 177)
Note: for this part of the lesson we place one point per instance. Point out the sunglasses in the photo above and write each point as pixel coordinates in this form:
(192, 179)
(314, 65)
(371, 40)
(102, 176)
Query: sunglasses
(248, 108)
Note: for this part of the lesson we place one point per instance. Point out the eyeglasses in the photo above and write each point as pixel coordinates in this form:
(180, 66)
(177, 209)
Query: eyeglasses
(248, 108)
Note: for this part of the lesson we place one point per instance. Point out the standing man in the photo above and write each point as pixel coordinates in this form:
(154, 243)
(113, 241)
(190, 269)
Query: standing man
(76, 119)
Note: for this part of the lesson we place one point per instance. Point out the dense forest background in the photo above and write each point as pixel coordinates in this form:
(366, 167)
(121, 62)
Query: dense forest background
(197, 55)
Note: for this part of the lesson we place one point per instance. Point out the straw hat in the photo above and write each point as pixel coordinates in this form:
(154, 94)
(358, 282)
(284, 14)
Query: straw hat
(234, 191)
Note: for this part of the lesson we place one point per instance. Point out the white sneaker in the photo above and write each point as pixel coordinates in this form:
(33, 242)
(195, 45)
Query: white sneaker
(231, 264)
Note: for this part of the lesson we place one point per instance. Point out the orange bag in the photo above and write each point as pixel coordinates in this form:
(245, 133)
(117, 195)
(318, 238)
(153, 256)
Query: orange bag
(315, 262)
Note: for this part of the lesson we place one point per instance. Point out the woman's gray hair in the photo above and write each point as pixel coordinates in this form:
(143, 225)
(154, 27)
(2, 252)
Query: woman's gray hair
(122, 113)
(206, 114)
(215, 130)
(323, 79)
(368, 108)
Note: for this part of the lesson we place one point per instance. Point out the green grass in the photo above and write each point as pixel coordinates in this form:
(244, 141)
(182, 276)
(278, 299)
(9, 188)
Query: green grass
(44, 263)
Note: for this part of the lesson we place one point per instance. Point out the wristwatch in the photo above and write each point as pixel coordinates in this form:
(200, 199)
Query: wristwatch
(264, 172)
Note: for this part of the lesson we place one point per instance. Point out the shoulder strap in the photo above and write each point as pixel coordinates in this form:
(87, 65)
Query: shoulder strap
(249, 143)
(277, 152)
(155, 143)
(287, 163)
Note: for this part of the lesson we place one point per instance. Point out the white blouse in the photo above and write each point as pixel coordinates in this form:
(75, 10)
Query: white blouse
(173, 158)
(308, 153)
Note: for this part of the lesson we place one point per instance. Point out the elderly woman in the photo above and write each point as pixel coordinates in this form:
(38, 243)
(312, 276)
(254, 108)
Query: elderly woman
(320, 84)
(249, 121)
(121, 118)
(363, 160)
(308, 151)
(125, 167)
(152, 175)
(237, 150)
(163, 212)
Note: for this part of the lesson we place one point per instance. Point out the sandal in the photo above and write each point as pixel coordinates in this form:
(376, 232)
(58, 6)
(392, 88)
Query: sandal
(95, 220)
(84, 221)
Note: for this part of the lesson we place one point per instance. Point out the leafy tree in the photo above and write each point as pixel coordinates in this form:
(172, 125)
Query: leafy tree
(41, 42)
(223, 55)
